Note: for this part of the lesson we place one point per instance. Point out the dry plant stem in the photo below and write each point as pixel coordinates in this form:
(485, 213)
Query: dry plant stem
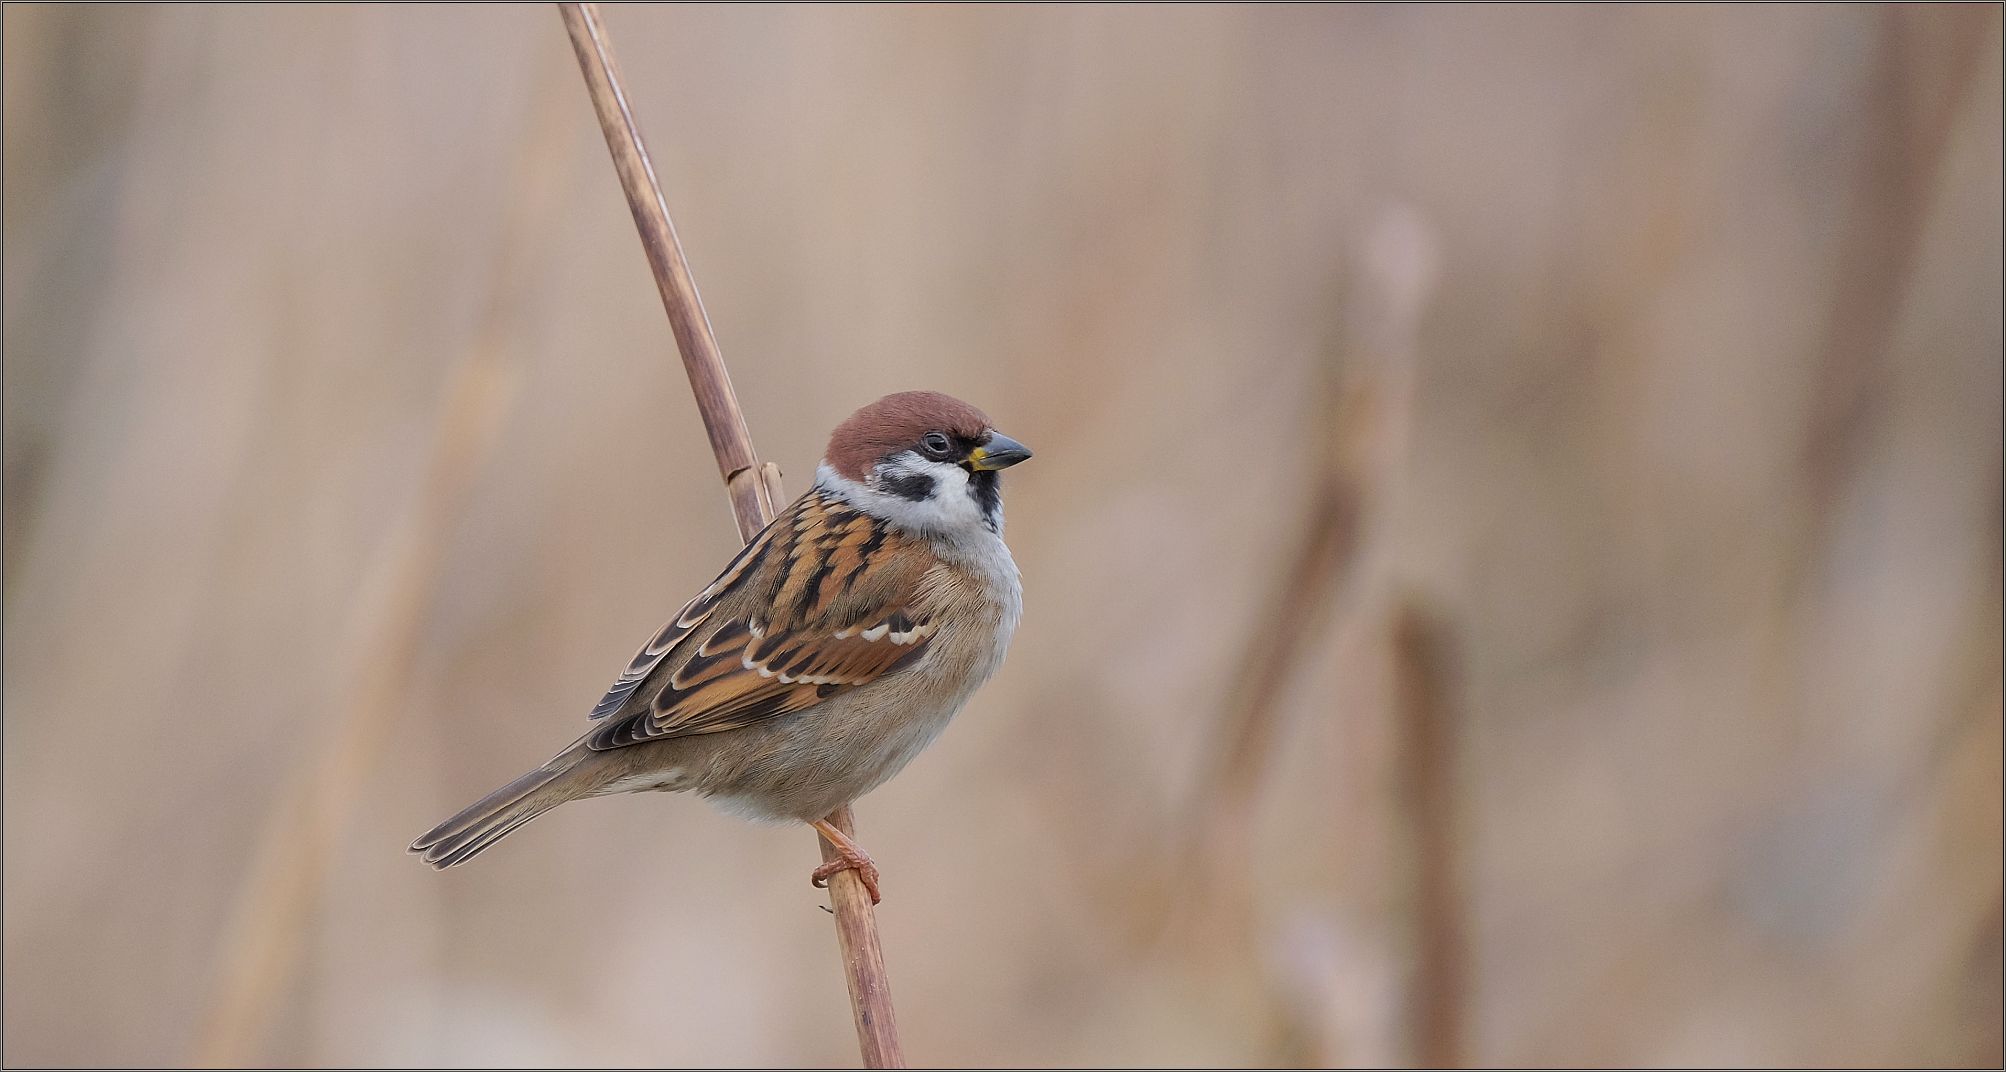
(1302, 591)
(1364, 402)
(1364, 405)
(1358, 422)
(1425, 680)
(262, 944)
(1910, 135)
(754, 488)
(1323, 554)
(1922, 77)
(722, 419)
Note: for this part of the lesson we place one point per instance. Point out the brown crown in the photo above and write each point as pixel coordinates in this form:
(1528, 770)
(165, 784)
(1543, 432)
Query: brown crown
(895, 423)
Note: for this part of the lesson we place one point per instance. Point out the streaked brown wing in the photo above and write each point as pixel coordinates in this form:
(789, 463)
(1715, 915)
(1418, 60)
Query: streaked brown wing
(821, 601)
(688, 620)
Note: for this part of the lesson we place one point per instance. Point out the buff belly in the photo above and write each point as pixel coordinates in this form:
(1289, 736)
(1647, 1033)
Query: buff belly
(803, 766)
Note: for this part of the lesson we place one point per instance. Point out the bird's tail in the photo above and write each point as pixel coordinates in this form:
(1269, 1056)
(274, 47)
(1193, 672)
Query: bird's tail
(498, 814)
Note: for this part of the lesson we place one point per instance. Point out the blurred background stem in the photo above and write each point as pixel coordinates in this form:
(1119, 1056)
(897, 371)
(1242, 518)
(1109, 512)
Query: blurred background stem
(275, 908)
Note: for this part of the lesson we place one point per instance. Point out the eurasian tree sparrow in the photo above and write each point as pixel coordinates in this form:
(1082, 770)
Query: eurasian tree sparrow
(829, 653)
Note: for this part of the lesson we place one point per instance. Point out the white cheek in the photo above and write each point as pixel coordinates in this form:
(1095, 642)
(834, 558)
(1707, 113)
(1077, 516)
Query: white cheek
(948, 507)
(950, 485)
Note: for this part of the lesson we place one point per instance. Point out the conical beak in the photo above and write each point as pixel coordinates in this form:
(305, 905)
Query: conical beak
(1000, 452)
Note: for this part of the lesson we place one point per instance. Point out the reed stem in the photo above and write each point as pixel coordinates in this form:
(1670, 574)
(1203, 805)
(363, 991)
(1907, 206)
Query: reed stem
(754, 488)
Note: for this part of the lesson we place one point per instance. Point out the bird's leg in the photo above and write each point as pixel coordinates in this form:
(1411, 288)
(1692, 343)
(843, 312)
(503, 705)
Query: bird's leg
(850, 857)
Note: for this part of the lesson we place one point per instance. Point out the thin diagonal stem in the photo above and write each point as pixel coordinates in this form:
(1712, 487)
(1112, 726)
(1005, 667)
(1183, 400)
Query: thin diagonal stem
(754, 488)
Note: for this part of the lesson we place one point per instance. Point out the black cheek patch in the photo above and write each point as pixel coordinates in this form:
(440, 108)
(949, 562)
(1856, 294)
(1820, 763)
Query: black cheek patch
(915, 486)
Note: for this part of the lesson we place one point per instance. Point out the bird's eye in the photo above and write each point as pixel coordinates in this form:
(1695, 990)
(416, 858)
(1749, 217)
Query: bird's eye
(936, 444)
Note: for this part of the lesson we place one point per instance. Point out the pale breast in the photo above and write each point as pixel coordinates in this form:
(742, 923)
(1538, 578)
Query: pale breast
(809, 764)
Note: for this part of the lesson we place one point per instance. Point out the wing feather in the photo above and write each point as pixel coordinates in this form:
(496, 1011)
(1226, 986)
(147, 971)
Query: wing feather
(685, 624)
(822, 600)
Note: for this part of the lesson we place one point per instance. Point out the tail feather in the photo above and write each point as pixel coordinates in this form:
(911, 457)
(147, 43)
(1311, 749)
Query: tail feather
(498, 814)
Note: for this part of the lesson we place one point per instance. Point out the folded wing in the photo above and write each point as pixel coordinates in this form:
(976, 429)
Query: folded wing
(822, 600)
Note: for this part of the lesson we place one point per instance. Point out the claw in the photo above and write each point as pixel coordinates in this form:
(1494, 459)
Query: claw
(849, 860)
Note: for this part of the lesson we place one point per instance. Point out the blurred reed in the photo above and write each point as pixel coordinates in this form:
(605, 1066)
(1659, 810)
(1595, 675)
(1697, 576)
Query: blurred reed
(260, 951)
(1361, 413)
(1426, 715)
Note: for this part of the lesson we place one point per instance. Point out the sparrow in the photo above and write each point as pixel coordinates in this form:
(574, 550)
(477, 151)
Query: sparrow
(833, 649)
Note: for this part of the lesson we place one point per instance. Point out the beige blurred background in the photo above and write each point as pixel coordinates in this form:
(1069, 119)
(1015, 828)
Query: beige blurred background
(1512, 564)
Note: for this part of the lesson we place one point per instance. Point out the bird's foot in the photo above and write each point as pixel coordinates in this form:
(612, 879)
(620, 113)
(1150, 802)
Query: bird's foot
(849, 857)
(861, 864)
